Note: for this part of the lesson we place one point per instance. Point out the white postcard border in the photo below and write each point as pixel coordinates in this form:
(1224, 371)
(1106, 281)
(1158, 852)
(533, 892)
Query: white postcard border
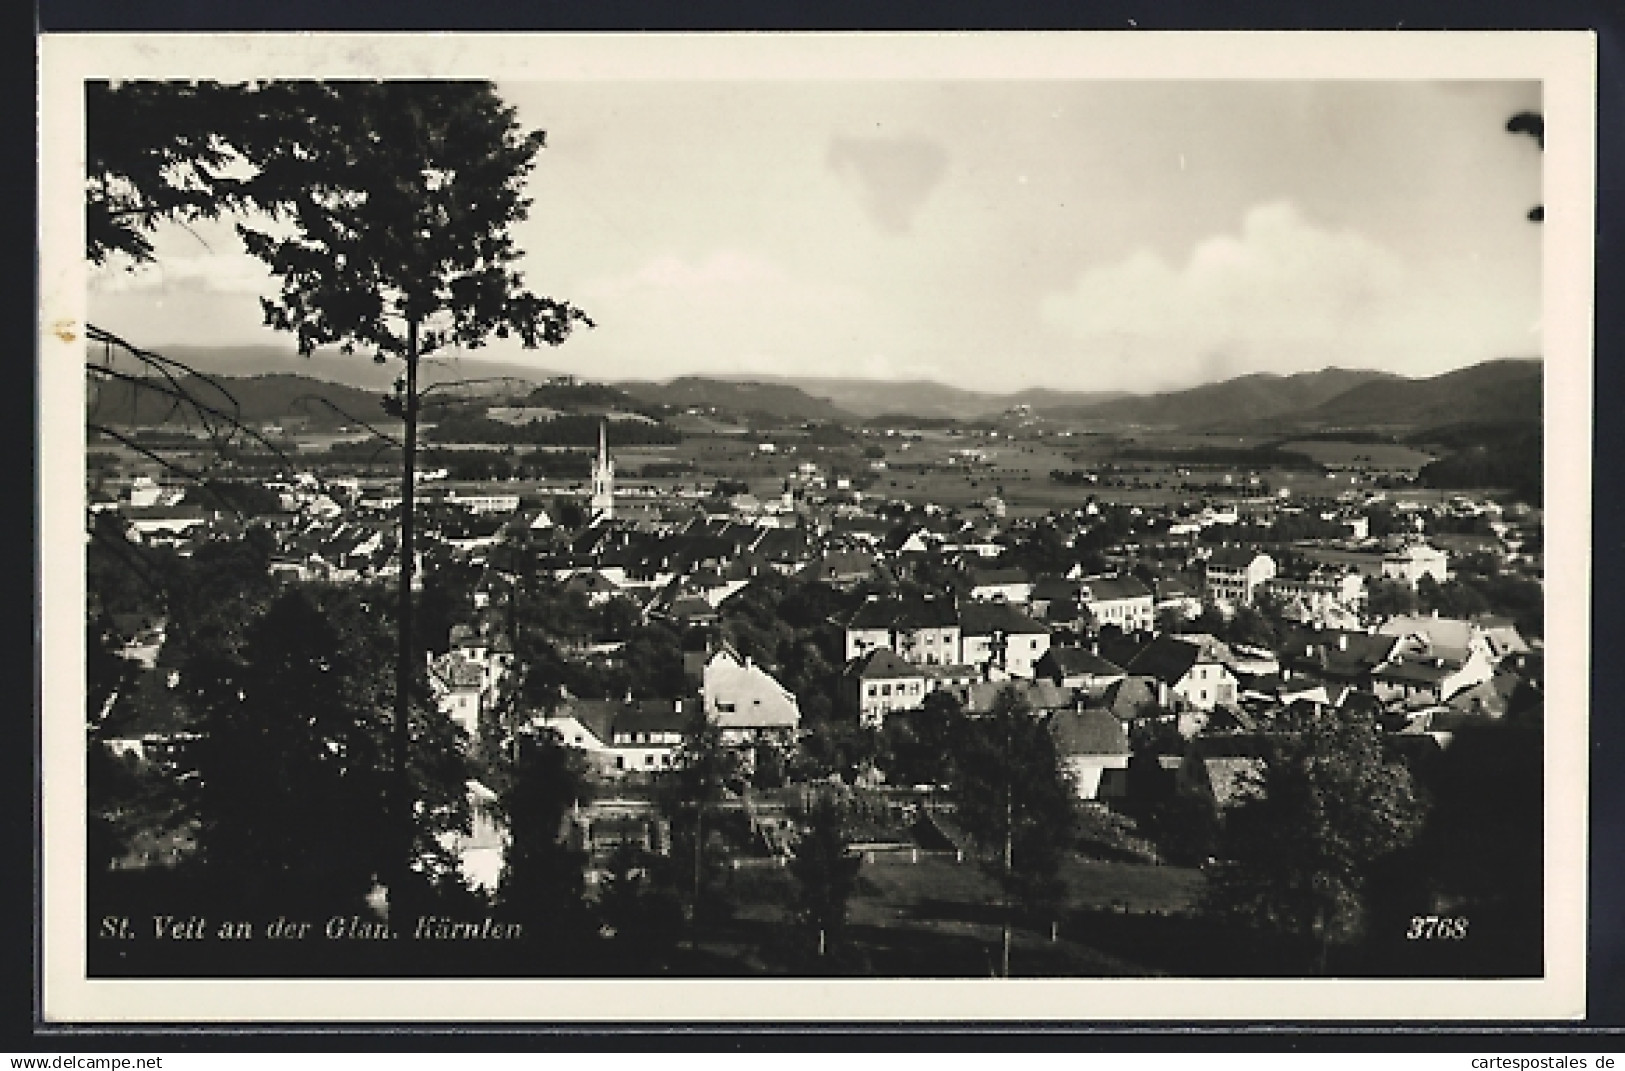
(1564, 61)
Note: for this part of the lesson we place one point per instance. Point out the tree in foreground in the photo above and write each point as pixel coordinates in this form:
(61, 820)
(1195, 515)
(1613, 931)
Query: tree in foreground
(637, 904)
(290, 788)
(403, 196)
(1479, 857)
(1014, 799)
(396, 202)
(826, 873)
(1300, 848)
(543, 876)
(704, 771)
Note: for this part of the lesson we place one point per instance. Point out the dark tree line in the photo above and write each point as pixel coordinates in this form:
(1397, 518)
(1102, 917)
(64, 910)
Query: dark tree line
(566, 430)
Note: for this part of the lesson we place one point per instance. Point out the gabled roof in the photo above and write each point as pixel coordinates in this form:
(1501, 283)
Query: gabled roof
(651, 716)
(839, 564)
(1055, 589)
(604, 718)
(1165, 658)
(1173, 587)
(1233, 557)
(1109, 589)
(597, 716)
(1409, 672)
(883, 664)
(986, 618)
(690, 608)
(1126, 697)
(1446, 637)
(1087, 732)
(998, 577)
(1342, 653)
(904, 614)
(785, 545)
(980, 696)
(1078, 662)
(591, 582)
(1501, 636)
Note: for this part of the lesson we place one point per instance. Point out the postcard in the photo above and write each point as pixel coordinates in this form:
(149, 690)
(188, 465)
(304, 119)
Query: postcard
(815, 527)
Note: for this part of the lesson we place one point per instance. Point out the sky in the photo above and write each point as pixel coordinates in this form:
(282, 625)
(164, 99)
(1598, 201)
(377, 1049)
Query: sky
(990, 235)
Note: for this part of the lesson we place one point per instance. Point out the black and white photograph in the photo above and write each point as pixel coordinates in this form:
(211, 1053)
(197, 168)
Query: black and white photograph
(1062, 517)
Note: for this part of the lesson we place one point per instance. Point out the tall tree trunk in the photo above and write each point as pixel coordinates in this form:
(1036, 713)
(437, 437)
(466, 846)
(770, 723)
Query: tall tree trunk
(406, 825)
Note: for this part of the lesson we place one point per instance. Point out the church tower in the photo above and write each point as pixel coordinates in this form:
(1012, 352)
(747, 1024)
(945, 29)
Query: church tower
(603, 480)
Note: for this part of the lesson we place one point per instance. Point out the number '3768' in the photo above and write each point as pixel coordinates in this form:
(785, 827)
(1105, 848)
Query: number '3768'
(1437, 928)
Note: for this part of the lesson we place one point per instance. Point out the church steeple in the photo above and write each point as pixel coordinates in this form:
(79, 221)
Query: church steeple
(602, 506)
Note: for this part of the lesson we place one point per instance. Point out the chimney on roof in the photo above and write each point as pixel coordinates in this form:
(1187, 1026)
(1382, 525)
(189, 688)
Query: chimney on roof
(1343, 641)
(677, 706)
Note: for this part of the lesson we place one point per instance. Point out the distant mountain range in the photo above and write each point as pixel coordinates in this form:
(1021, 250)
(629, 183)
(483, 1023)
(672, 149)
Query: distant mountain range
(777, 401)
(251, 399)
(356, 370)
(1244, 399)
(1493, 391)
(923, 397)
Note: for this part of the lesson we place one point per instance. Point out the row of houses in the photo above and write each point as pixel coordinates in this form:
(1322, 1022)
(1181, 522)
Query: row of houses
(1333, 578)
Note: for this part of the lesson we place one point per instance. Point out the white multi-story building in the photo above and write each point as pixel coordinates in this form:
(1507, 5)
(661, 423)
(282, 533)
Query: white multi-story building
(1233, 575)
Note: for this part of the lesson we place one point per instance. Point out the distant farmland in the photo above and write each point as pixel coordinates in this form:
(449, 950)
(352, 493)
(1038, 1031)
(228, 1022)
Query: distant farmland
(1370, 457)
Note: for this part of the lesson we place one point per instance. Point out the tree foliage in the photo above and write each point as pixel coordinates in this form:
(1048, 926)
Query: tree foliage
(1010, 790)
(826, 873)
(158, 152)
(1299, 848)
(403, 195)
(542, 883)
(290, 785)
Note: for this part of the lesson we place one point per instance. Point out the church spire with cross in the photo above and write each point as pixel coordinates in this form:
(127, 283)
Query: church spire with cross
(602, 506)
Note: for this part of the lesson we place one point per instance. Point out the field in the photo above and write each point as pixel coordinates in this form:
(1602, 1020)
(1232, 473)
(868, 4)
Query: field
(941, 918)
(1368, 457)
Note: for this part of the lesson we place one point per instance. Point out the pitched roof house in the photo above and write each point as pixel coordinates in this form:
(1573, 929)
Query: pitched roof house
(1189, 671)
(1123, 601)
(923, 631)
(1001, 637)
(1232, 576)
(1079, 667)
(621, 737)
(1088, 743)
(746, 700)
(880, 682)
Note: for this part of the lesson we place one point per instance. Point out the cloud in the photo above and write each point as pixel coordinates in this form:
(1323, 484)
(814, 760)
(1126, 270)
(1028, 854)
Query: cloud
(895, 175)
(218, 273)
(730, 310)
(1282, 295)
(723, 272)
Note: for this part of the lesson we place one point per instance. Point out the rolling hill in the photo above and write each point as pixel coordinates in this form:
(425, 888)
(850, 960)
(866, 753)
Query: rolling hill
(1490, 392)
(253, 399)
(778, 401)
(869, 398)
(355, 370)
(1242, 400)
